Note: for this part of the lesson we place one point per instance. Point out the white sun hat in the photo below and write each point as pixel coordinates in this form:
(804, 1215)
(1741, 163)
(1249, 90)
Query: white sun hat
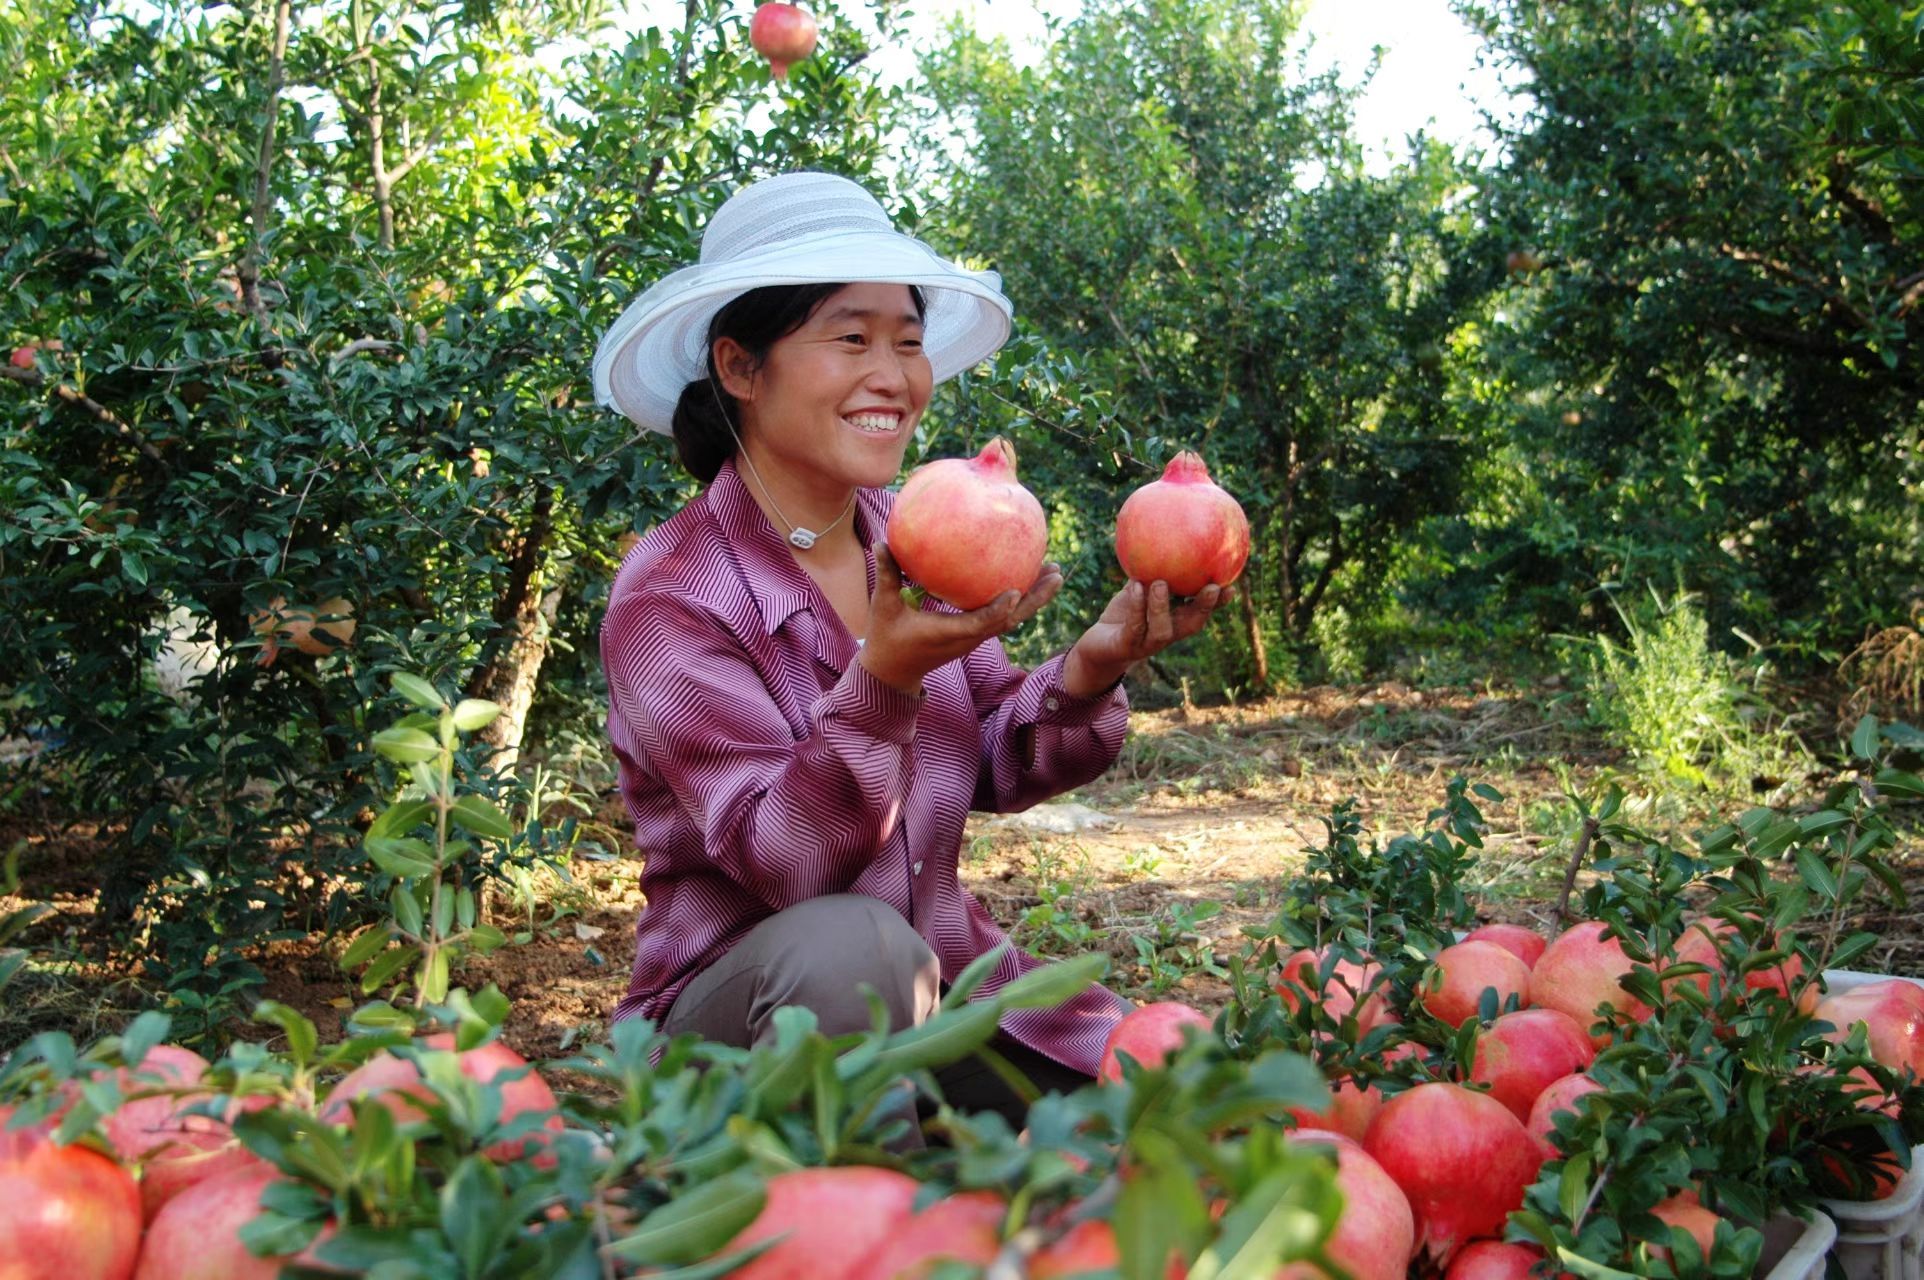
(794, 228)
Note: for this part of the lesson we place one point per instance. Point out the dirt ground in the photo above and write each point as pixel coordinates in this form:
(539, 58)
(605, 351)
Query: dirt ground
(1192, 836)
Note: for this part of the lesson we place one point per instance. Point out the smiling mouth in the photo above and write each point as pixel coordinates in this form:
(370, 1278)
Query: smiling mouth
(874, 424)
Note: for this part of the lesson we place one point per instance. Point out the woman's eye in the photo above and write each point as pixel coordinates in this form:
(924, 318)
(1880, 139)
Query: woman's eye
(852, 337)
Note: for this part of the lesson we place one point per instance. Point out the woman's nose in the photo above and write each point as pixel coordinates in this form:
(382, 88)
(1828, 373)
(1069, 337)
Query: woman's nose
(888, 370)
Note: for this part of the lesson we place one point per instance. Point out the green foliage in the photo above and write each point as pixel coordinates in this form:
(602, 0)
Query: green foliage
(1681, 708)
(1727, 1087)
(666, 1153)
(1707, 368)
(315, 323)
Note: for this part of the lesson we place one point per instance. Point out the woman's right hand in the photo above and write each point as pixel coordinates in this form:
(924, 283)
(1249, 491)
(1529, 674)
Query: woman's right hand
(904, 644)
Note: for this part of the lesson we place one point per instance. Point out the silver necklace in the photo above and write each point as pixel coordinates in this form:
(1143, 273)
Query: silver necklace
(799, 538)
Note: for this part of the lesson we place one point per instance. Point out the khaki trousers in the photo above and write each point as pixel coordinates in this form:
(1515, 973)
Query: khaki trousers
(819, 954)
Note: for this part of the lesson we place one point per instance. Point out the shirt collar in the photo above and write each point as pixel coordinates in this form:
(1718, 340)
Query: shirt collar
(779, 586)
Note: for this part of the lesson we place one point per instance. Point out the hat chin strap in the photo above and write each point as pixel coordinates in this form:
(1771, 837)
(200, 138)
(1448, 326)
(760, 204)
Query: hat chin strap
(799, 538)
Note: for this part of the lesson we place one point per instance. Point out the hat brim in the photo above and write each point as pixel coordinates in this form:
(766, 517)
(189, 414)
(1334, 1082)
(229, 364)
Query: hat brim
(659, 343)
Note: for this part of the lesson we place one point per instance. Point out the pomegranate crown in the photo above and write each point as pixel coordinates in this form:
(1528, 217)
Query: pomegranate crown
(997, 456)
(1187, 467)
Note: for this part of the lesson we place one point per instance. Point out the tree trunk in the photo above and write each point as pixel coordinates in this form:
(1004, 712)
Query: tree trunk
(524, 614)
(1253, 628)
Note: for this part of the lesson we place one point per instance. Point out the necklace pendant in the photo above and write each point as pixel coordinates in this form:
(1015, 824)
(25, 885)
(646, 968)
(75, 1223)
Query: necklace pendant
(802, 539)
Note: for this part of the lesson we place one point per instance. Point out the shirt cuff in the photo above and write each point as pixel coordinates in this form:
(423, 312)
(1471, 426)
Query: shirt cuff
(1057, 706)
(878, 710)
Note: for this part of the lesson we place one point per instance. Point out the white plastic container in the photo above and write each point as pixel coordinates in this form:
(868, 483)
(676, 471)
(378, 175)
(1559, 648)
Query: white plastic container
(1880, 1239)
(1884, 1239)
(1795, 1248)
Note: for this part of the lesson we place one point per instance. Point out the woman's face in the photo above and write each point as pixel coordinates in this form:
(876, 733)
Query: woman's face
(836, 400)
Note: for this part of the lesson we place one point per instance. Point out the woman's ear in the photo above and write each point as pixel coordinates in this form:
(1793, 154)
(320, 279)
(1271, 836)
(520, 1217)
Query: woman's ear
(735, 367)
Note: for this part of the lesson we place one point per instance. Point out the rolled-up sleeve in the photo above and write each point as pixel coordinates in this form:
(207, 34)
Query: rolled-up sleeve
(1038, 740)
(789, 818)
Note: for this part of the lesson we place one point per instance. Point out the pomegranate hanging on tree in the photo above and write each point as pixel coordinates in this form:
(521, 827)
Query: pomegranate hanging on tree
(1183, 530)
(782, 33)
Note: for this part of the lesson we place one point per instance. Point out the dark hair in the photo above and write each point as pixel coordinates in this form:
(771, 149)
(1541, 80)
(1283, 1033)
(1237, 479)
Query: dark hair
(707, 418)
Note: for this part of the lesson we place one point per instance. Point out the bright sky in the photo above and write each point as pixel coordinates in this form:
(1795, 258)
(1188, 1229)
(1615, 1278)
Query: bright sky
(1429, 78)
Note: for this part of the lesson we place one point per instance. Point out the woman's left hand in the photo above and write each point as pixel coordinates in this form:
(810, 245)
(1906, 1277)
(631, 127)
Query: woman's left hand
(1139, 623)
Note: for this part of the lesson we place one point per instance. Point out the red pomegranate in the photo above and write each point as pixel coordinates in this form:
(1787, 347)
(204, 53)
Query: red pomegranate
(1699, 945)
(1090, 1245)
(1149, 1035)
(782, 33)
(1348, 980)
(1893, 1013)
(1557, 1096)
(396, 1080)
(1460, 1156)
(1581, 969)
(68, 1213)
(1684, 1210)
(1452, 991)
(196, 1235)
(1183, 530)
(828, 1220)
(1523, 1053)
(1376, 1234)
(1349, 1113)
(965, 531)
(159, 1127)
(1525, 944)
(1495, 1260)
(965, 1228)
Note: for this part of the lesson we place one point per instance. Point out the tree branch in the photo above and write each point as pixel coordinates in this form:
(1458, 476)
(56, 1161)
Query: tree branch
(249, 270)
(86, 404)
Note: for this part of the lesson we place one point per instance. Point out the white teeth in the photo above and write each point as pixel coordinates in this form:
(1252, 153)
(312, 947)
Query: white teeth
(878, 423)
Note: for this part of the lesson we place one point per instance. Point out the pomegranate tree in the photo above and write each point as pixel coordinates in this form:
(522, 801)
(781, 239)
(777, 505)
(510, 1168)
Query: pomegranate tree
(965, 531)
(1183, 530)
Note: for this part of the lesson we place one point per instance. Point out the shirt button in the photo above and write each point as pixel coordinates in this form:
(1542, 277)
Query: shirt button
(1053, 704)
(917, 868)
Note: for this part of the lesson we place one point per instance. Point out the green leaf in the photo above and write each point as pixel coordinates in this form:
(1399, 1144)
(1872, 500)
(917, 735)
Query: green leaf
(433, 976)
(478, 815)
(406, 746)
(485, 938)
(133, 567)
(142, 1034)
(1896, 782)
(1051, 984)
(1816, 875)
(418, 691)
(302, 1037)
(1160, 1210)
(385, 966)
(1864, 739)
(407, 909)
(1822, 823)
(696, 1223)
(470, 1214)
(474, 713)
(950, 1036)
(363, 948)
(401, 817)
(401, 856)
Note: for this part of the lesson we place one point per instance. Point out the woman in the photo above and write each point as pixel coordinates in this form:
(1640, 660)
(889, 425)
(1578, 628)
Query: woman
(798, 746)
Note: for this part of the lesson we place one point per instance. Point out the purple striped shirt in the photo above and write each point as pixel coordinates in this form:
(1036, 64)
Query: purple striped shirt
(764, 766)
